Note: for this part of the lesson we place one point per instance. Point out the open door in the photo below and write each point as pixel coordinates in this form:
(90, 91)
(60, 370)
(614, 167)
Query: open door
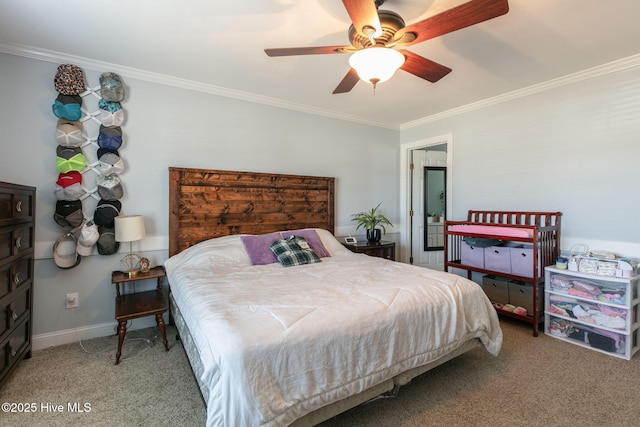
(427, 219)
(414, 156)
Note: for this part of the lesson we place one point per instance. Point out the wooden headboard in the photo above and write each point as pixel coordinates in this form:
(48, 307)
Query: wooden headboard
(204, 204)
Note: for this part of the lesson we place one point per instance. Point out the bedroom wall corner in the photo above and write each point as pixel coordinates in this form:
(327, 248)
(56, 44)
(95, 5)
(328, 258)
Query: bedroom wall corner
(169, 125)
(571, 148)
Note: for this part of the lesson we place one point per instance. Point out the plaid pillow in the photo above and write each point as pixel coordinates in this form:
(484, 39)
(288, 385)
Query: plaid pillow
(293, 251)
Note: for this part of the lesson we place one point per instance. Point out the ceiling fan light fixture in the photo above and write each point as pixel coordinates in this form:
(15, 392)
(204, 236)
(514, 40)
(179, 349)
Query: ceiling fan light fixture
(376, 64)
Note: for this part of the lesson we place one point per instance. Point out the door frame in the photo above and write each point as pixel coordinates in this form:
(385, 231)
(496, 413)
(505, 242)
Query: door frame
(405, 177)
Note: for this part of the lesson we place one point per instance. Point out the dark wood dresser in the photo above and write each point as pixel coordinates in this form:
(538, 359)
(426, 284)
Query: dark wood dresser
(17, 231)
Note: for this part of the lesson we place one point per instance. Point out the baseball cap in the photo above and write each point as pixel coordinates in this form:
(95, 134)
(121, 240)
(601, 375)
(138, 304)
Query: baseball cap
(109, 162)
(69, 186)
(87, 238)
(70, 159)
(68, 107)
(69, 80)
(106, 243)
(68, 213)
(106, 211)
(69, 133)
(110, 137)
(109, 187)
(111, 87)
(64, 251)
(111, 113)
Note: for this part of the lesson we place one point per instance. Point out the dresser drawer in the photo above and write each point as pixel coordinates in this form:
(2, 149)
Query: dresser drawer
(15, 241)
(16, 205)
(15, 275)
(13, 310)
(14, 347)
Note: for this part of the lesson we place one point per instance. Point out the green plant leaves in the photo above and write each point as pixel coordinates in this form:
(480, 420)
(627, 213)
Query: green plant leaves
(371, 219)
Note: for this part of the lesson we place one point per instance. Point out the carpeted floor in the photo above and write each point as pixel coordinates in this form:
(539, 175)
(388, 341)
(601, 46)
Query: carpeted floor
(533, 382)
(150, 387)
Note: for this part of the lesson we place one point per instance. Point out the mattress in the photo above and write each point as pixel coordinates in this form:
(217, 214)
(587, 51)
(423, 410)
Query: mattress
(492, 230)
(278, 343)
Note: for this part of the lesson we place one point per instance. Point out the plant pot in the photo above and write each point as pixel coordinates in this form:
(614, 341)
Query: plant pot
(374, 235)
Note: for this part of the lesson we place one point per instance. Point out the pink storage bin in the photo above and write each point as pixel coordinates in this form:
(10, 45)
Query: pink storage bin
(472, 256)
(497, 258)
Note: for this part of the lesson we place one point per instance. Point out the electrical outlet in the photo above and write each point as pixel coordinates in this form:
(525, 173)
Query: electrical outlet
(72, 300)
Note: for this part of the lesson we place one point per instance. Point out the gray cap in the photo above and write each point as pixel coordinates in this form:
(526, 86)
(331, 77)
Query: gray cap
(106, 243)
(68, 213)
(111, 87)
(109, 187)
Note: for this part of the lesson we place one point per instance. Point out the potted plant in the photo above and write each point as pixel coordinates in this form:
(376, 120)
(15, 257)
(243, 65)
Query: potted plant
(370, 221)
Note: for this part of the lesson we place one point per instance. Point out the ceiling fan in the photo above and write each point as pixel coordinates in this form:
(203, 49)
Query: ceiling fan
(375, 33)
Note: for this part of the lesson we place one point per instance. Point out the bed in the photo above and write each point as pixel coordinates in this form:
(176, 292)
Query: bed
(274, 346)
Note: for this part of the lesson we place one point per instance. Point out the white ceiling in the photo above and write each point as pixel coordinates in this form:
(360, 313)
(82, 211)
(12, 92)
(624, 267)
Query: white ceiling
(219, 45)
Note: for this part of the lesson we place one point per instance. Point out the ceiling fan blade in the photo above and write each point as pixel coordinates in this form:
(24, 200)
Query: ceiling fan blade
(312, 50)
(423, 67)
(465, 15)
(348, 82)
(364, 15)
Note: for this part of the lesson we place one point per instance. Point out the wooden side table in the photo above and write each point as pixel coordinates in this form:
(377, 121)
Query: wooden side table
(131, 306)
(380, 249)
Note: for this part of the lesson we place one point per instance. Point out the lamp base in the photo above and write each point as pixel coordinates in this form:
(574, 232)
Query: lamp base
(132, 264)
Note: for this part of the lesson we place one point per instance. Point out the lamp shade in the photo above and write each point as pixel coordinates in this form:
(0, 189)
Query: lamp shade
(129, 228)
(376, 64)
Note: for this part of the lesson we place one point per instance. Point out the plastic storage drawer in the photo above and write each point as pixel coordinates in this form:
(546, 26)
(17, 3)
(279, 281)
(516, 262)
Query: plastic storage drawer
(606, 340)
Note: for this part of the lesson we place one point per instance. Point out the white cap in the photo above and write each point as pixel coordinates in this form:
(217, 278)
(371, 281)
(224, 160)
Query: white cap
(87, 239)
(64, 251)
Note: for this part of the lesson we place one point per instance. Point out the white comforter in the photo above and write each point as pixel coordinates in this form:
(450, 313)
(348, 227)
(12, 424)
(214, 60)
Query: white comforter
(278, 343)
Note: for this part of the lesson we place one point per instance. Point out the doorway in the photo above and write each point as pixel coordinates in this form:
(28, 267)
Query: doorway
(416, 221)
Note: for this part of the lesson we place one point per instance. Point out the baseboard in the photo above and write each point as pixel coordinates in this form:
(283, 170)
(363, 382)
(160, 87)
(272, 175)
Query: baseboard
(67, 336)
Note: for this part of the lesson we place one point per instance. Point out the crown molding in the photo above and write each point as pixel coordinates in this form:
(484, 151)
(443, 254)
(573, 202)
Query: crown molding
(590, 73)
(148, 76)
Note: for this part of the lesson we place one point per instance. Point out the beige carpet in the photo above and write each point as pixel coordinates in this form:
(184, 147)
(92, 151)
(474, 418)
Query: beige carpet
(534, 382)
(150, 387)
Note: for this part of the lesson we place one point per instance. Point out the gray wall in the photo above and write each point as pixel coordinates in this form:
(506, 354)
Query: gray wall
(168, 126)
(573, 148)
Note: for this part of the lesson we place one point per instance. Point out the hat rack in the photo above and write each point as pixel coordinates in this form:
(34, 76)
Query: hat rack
(89, 196)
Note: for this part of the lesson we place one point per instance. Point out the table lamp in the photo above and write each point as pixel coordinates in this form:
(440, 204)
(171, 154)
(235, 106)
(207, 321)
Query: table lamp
(130, 228)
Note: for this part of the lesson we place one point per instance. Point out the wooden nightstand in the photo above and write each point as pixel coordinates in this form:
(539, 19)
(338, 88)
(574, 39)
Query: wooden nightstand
(380, 249)
(131, 306)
